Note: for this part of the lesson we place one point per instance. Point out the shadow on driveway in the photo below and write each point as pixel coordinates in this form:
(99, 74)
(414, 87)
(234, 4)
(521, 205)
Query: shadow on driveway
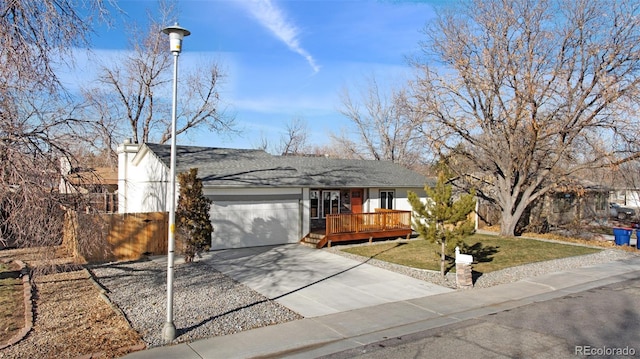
(313, 282)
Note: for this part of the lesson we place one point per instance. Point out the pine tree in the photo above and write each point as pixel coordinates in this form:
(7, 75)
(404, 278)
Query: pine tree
(192, 215)
(441, 219)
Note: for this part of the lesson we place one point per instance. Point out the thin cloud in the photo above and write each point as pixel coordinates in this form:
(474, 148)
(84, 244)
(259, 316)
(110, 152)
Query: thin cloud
(272, 17)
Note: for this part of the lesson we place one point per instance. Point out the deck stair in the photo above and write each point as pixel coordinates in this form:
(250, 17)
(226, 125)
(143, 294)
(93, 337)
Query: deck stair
(313, 239)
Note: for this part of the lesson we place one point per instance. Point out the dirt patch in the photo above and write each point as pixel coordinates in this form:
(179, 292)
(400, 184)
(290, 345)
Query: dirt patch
(70, 317)
(12, 314)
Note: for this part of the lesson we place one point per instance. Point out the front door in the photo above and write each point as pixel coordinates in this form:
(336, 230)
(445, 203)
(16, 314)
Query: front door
(356, 201)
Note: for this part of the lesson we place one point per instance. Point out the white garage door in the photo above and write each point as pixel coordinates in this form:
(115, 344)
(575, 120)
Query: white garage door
(249, 224)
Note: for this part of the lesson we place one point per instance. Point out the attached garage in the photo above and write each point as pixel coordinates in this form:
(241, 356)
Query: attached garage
(251, 217)
(240, 224)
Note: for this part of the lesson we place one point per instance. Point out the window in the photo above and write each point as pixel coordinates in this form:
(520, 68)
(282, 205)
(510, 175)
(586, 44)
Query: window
(386, 199)
(601, 201)
(315, 204)
(563, 202)
(330, 202)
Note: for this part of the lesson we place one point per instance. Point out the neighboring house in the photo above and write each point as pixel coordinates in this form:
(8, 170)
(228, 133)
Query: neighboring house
(583, 200)
(99, 185)
(260, 199)
(567, 204)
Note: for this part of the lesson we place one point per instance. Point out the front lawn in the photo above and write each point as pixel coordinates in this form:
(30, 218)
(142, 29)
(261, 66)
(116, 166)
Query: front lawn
(490, 253)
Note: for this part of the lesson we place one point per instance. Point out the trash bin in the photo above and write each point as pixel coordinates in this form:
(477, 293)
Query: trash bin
(637, 238)
(622, 236)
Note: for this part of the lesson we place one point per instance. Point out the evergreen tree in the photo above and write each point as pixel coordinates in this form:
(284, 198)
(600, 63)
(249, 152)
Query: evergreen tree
(441, 219)
(192, 215)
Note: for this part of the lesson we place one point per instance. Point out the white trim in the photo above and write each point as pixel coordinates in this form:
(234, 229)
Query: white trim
(318, 207)
(140, 155)
(305, 213)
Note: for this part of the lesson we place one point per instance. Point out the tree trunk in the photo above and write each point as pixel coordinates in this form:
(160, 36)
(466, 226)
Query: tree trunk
(509, 220)
(508, 225)
(443, 239)
(443, 257)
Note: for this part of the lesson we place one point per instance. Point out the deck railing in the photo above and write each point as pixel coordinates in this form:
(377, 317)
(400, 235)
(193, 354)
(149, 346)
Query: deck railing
(381, 220)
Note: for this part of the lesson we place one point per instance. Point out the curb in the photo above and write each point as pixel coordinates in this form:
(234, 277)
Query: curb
(28, 306)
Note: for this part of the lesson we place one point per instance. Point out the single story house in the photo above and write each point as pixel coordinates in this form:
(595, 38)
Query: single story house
(590, 202)
(570, 203)
(260, 199)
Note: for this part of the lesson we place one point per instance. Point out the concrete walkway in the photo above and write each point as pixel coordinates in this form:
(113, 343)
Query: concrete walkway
(315, 283)
(327, 334)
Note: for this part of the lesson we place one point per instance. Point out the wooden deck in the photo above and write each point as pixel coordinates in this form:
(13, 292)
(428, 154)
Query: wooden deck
(357, 226)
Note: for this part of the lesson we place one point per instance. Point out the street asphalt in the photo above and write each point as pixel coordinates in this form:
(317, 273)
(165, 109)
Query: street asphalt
(602, 322)
(351, 329)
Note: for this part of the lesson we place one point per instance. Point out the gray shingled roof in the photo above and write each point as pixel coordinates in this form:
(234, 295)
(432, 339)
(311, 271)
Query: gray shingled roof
(224, 167)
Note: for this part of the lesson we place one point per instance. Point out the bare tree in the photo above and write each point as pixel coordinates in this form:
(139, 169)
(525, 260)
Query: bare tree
(520, 95)
(262, 144)
(36, 127)
(137, 90)
(385, 127)
(294, 142)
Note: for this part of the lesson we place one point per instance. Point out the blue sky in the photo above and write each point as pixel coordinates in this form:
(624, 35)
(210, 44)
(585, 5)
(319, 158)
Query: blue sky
(286, 59)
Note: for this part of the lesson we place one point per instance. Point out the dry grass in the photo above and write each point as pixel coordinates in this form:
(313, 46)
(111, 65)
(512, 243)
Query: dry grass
(71, 318)
(11, 303)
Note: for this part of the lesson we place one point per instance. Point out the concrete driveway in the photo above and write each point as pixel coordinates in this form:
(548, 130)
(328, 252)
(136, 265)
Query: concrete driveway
(314, 282)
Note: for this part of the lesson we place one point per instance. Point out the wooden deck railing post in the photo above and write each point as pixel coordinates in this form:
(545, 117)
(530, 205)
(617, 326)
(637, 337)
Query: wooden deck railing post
(381, 223)
(367, 222)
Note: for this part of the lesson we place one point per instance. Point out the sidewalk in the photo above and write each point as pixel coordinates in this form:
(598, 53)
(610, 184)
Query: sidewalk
(314, 337)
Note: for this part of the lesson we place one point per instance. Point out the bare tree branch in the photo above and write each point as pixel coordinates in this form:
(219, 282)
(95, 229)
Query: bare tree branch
(138, 88)
(295, 140)
(384, 126)
(36, 126)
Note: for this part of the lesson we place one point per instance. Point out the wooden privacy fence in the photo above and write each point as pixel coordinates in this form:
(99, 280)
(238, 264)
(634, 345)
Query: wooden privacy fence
(115, 237)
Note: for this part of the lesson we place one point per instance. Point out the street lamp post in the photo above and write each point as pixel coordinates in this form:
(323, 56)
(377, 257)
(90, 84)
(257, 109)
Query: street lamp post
(176, 34)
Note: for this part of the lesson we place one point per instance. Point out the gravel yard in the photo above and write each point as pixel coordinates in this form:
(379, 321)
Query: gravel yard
(206, 303)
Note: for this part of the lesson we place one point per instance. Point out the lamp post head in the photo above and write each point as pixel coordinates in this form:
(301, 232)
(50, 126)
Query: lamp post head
(176, 34)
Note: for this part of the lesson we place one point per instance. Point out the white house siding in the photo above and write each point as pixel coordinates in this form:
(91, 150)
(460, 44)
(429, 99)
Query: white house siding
(400, 201)
(142, 181)
(626, 197)
(305, 211)
(255, 217)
